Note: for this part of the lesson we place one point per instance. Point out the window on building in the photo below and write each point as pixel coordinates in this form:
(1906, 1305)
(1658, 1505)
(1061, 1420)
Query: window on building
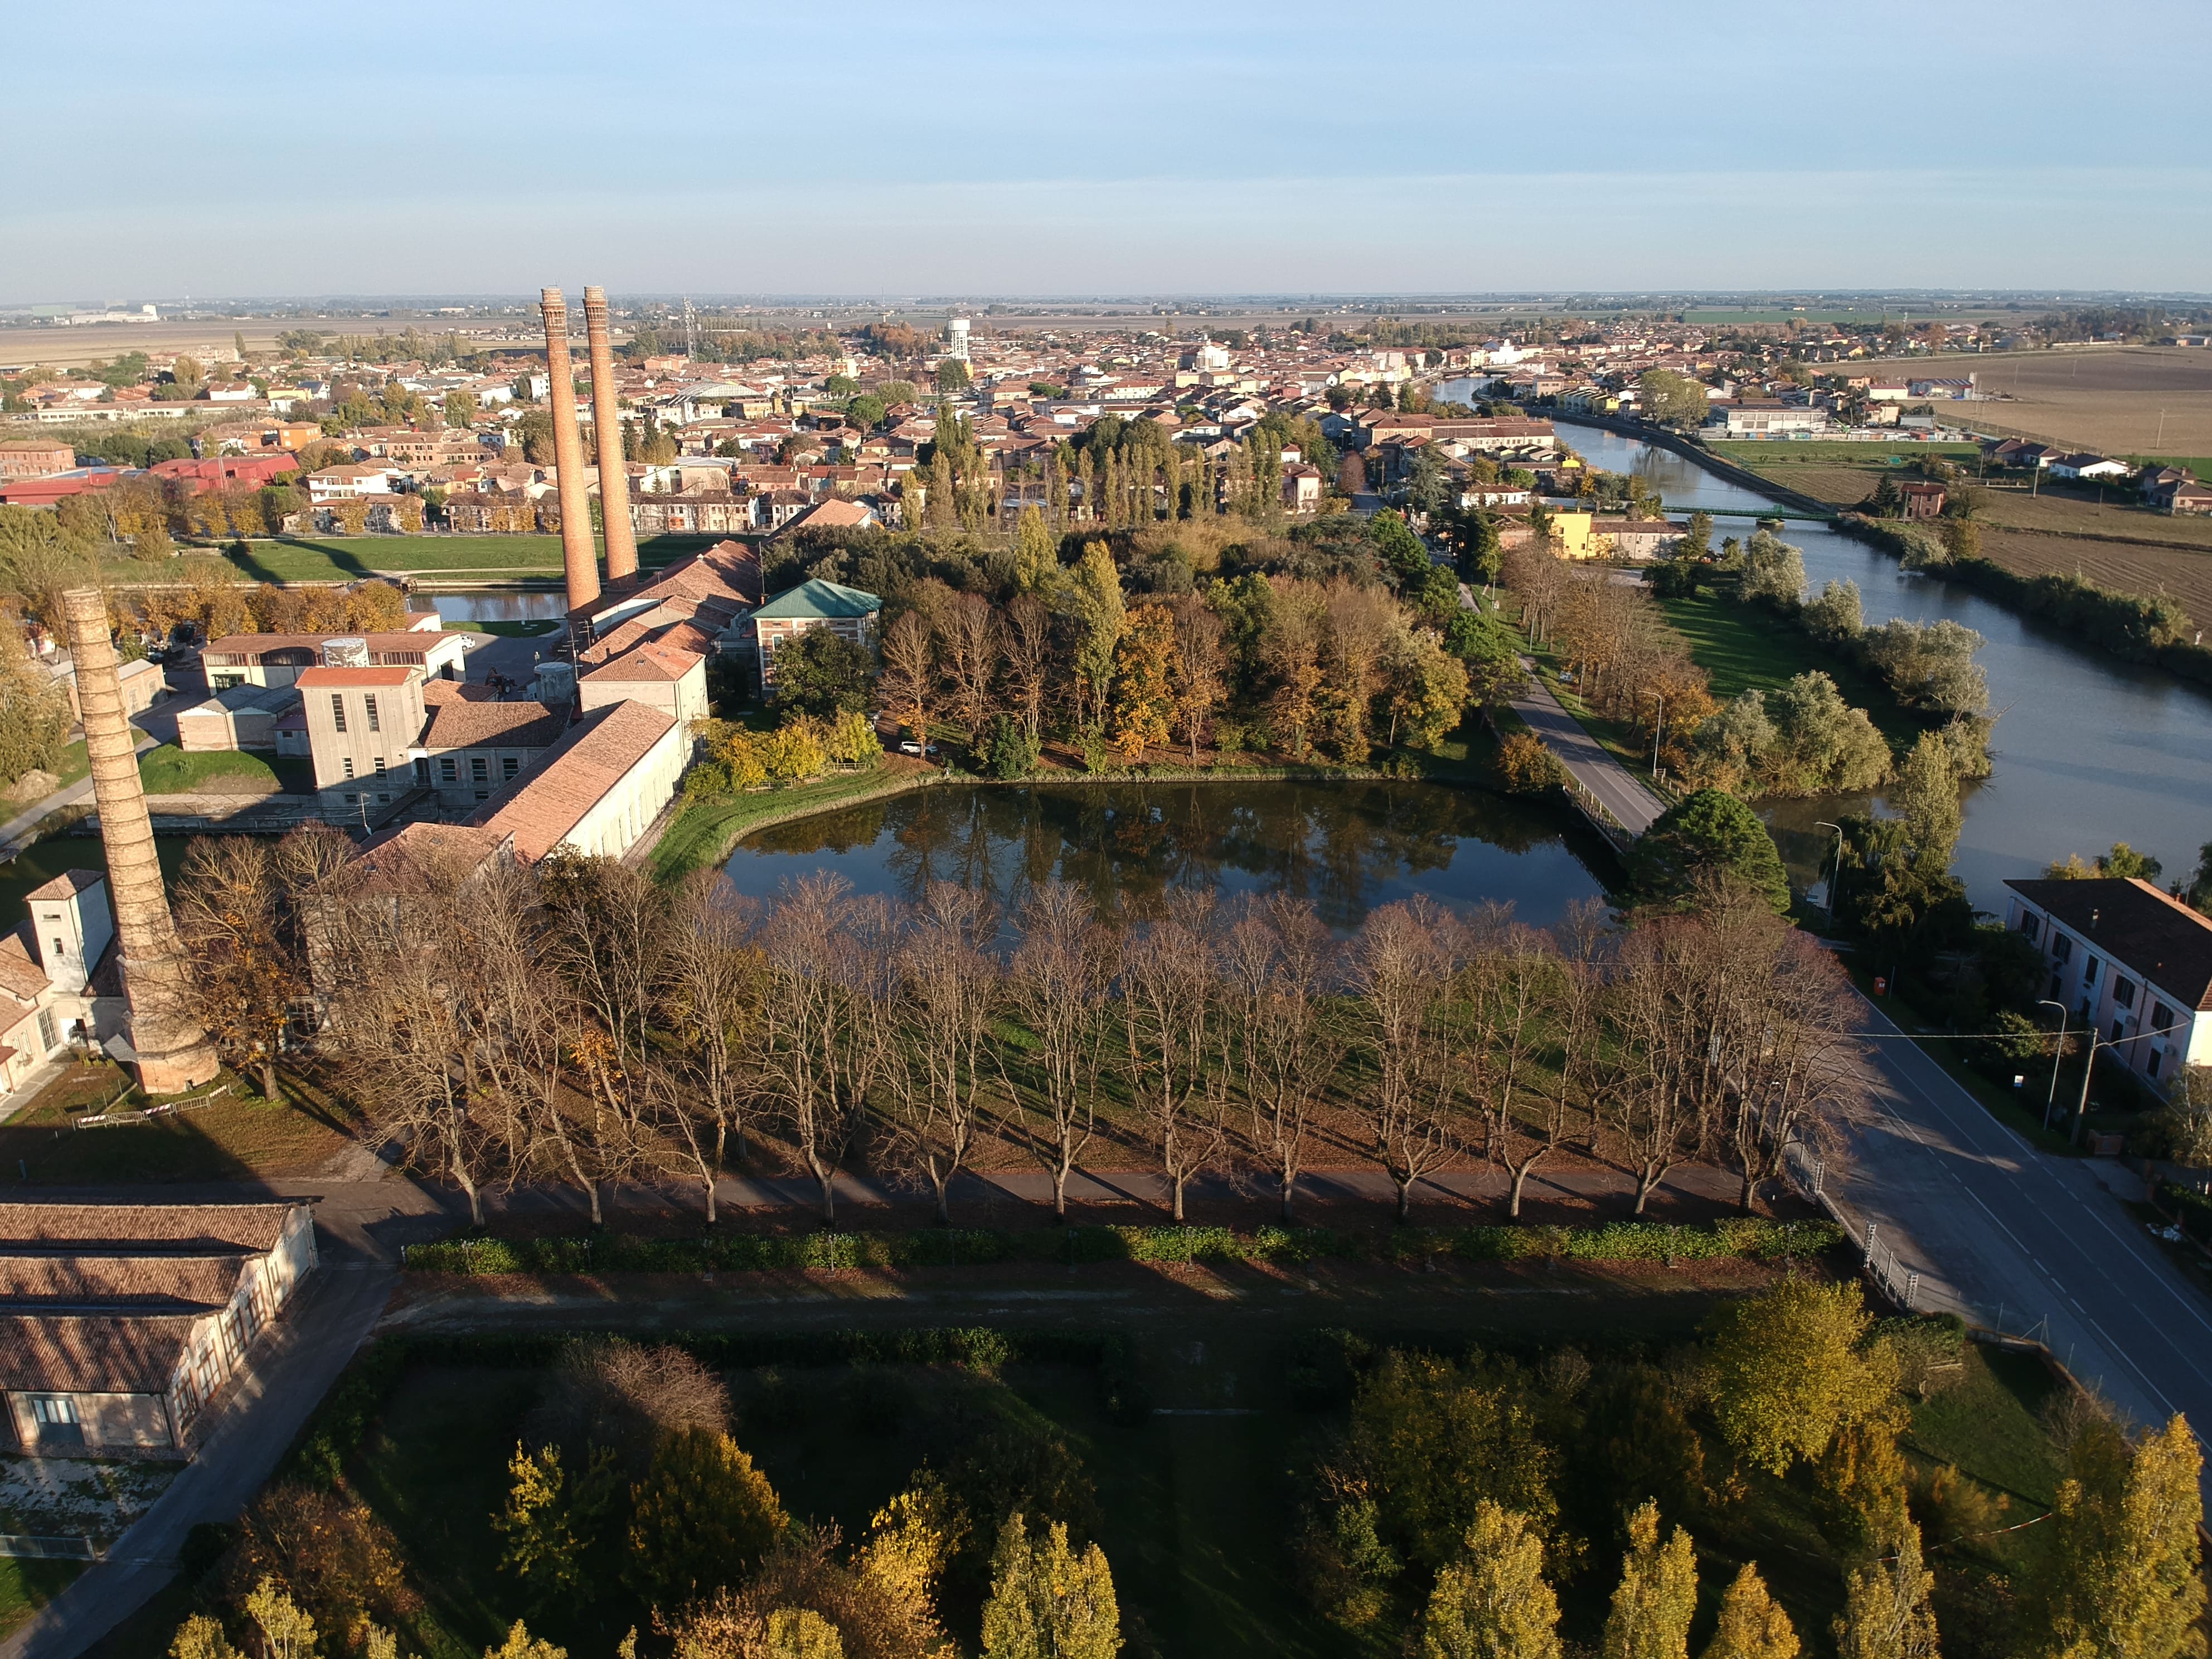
(2124, 991)
(2151, 1065)
(369, 703)
(2161, 1016)
(449, 770)
(509, 765)
(60, 950)
(2061, 946)
(349, 765)
(2119, 1030)
(2089, 970)
(50, 1037)
(379, 766)
(337, 711)
(479, 769)
(484, 794)
(353, 800)
(2027, 926)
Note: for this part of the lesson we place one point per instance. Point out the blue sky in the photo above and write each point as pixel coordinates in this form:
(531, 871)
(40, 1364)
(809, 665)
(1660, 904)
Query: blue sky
(862, 148)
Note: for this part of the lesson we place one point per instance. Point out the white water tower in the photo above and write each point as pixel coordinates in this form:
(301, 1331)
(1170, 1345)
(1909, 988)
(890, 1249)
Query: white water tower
(955, 338)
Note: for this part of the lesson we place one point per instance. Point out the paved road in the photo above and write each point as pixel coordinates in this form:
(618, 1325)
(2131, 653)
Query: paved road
(1998, 1230)
(18, 829)
(1632, 804)
(294, 1366)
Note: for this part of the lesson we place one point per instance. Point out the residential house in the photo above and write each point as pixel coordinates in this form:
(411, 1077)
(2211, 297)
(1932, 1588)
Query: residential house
(818, 604)
(2127, 962)
(1921, 501)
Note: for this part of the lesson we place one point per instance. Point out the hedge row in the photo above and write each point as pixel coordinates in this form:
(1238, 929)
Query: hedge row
(1622, 1241)
(2191, 1208)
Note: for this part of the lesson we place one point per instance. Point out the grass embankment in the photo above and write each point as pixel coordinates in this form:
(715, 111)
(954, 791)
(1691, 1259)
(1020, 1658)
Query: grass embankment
(351, 558)
(237, 1137)
(169, 770)
(1747, 647)
(703, 832)
(511, 630)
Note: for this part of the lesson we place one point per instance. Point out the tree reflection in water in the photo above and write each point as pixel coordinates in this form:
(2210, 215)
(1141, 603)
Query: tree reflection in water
(1345, 847)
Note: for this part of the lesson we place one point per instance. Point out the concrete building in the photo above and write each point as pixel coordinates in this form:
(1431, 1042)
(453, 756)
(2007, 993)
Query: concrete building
(239, 717)
(663, 677)
(278, 659)
(51, 969)
(119, 1324)
(598, 790)
(2127, 961)
(364, 726)
(473, 746)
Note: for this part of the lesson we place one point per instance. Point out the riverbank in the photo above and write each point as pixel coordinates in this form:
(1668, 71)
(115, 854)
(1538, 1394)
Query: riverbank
(2107, 619)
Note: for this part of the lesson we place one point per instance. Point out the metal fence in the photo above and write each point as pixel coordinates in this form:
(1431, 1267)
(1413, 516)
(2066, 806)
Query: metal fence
(1809, 1173)
(24, 1547)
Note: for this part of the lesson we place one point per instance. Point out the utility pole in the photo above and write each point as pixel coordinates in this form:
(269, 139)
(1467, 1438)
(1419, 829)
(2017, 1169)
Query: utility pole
(1837, 879)
(2058, 1053)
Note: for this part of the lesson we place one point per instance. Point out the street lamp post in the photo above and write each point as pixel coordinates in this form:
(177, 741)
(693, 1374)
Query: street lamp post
(1657, 726)
(1836, 880)
(2058, 1053)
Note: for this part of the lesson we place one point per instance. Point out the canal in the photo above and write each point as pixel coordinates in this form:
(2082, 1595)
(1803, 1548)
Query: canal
(2088, 750)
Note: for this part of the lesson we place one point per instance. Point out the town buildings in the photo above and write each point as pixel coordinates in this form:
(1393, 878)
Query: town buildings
(2128, 962)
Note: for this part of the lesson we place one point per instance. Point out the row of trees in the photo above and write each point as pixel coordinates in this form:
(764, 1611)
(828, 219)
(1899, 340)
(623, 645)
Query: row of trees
(573, 1021)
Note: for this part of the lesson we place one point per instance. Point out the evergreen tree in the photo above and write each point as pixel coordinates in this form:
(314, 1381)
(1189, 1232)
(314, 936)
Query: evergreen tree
(1047, 1602)
(1492, 1601)
(1752, 1625)
(1657, 1596)
(1099, 603)
(1706, 834)
(1036, 552)
(2124, 1577)
(1886, 1611)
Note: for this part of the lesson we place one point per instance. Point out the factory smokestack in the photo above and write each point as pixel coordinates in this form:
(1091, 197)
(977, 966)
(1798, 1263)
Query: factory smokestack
(606, 424)
(576, 553)
(173, 1053)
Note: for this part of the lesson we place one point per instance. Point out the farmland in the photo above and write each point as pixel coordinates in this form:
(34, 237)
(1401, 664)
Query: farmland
(2118, 400)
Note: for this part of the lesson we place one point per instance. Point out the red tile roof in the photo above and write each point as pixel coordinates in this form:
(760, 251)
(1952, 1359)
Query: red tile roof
(660, 663)
(313, 679)
(540, 808)
(68, 884)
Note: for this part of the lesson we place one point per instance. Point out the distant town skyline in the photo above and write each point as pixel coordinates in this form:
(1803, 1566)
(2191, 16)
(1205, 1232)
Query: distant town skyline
(955, 149)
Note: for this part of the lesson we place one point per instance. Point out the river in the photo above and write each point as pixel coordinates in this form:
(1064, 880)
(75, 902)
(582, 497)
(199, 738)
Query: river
(1347, 848)
(2088, 750)
(499, 604)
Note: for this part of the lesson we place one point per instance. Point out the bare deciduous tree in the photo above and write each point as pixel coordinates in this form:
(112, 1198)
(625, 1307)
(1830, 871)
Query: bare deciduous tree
(713, 984)
(1273, 961)
(1401, 969)
(1057, 987)
(1169, 1008)
(1028, 641)
(949, 990)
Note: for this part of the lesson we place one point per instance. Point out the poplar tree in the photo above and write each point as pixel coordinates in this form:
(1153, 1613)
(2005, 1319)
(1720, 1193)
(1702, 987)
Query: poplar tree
(1886, 1611)
(1047, 1601)
(1657, 1596)
(1752, 1626)
(1036, 554)
(2124, 1575)
(1492, 1601)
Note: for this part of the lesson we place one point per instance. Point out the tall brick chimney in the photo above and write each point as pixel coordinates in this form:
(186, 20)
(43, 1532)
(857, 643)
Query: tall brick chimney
(578, 558)
(606, 425)
(173, 1053)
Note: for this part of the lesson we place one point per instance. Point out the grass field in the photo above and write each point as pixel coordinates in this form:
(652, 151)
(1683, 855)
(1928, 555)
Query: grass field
(349, 558)
(169, 770)
(237, 1137)
(1745, 647)
(26, 1586)
(1820, 452)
